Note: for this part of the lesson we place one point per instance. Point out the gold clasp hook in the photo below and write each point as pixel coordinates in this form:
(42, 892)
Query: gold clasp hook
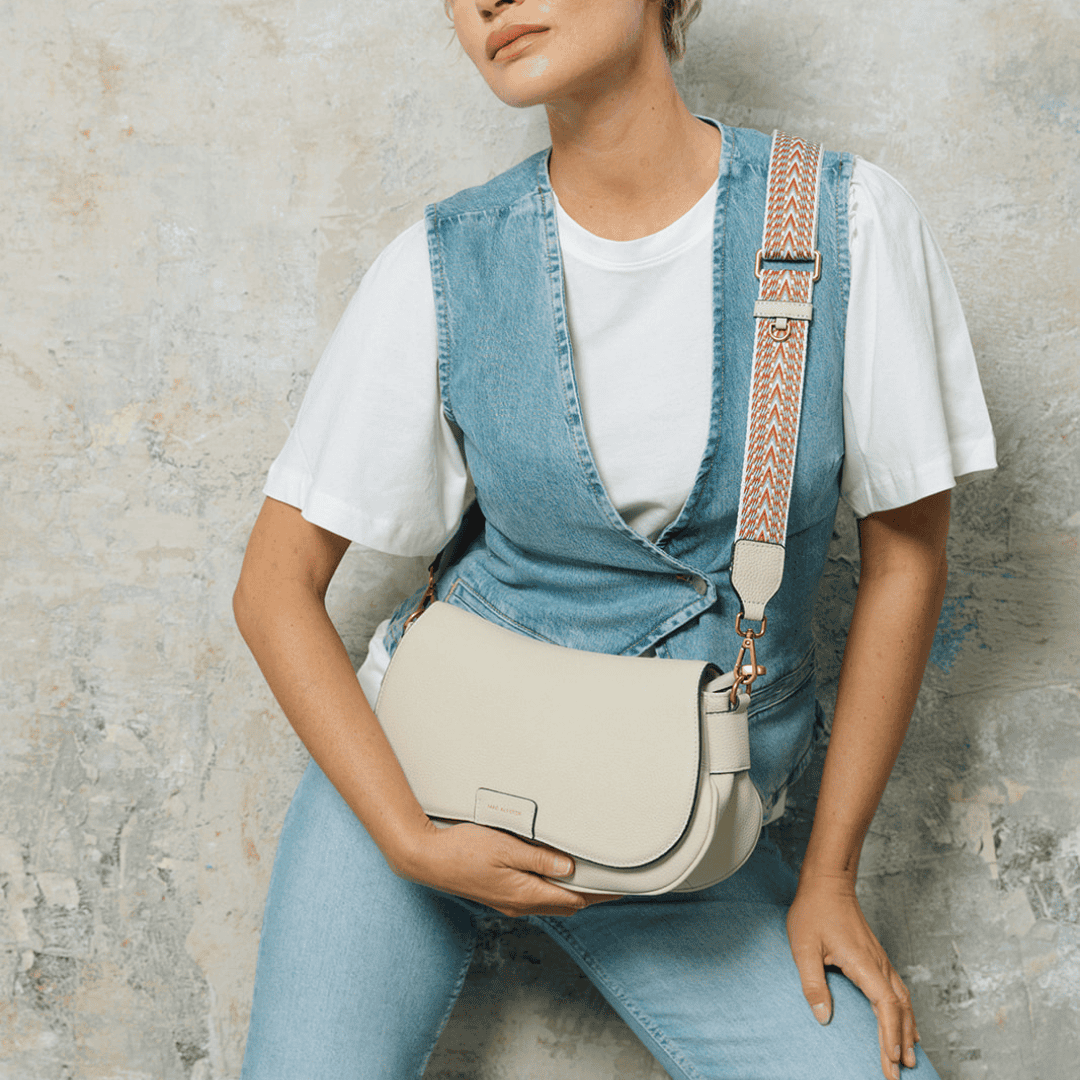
(745, 674)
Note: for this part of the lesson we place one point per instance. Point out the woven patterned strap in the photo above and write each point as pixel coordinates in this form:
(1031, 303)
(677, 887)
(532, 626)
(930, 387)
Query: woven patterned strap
(782, 317)
(791, 209)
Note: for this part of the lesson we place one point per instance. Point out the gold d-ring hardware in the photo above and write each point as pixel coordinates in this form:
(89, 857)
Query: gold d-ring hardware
(745, 674)
(744, 631)
(429, 595)
(760, 258)
(779, 329)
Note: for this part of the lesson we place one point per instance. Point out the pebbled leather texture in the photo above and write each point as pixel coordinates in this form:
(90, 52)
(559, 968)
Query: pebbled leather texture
(729, 741)
(757, 568)
(615, 752)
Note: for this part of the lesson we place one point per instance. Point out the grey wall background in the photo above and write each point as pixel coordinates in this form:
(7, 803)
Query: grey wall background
(191, 191)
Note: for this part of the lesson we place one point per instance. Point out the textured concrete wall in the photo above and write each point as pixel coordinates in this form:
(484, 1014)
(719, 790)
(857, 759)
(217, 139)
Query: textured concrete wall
(191, 190)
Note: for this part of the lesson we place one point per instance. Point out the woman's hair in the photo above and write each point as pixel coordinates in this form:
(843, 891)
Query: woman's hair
(677, 17)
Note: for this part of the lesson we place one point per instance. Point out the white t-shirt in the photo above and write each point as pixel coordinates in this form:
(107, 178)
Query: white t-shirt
(372, 458)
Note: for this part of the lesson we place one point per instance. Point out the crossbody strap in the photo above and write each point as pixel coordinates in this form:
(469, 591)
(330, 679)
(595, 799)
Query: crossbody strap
(787, 266)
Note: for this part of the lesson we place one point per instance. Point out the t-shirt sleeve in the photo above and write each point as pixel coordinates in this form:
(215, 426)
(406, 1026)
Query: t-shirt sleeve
(915, 420)
(371, 455)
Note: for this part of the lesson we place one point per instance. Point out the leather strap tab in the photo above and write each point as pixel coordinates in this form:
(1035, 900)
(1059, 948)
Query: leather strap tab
(772, 309)
(729, 741)
(757, 569)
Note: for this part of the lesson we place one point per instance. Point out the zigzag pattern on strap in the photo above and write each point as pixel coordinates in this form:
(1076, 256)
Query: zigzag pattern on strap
(791, 211)
(780, 355)
(773, 433)
(796, 286)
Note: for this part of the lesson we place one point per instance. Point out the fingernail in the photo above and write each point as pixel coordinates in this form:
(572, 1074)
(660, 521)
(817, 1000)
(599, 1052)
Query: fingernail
(896, 1052)
(896, 1071)
(563, 867)
(821, 1011)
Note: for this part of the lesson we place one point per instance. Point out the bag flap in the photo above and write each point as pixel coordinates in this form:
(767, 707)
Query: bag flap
(595, 755)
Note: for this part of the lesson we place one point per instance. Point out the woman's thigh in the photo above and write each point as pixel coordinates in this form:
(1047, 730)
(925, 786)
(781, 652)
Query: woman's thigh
(707, 982)
(357, 969)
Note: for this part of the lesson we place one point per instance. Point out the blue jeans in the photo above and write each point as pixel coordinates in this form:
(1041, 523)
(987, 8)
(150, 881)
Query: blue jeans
(358, 969)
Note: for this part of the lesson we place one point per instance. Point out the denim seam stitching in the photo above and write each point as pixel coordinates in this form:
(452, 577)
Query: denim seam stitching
(441, 289)
(466, 588)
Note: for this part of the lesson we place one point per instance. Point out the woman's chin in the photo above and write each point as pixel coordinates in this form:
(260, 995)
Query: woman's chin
(524, 84)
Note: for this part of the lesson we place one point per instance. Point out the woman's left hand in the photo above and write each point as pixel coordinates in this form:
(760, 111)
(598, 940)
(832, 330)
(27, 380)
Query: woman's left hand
(826, 926)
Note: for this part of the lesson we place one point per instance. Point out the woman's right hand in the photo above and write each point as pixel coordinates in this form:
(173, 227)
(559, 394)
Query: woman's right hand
(281, 612)
(493, 868)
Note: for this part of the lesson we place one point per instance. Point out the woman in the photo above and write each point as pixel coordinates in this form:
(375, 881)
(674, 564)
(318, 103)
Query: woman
(445, 372)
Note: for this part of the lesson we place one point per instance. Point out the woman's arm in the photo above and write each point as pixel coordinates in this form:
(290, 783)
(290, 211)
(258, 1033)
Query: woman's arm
(901, 587)
(280, 610)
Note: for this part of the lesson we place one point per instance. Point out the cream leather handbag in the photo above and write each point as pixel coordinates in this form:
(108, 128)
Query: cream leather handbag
(636, 767)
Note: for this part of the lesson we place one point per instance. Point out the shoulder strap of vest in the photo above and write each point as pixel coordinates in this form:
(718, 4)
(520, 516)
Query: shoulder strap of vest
(782, 317)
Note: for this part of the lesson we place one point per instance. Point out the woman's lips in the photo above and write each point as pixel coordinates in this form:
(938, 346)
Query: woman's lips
(504, 37)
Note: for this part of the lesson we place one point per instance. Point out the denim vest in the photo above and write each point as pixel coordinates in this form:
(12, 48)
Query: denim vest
(548, 554)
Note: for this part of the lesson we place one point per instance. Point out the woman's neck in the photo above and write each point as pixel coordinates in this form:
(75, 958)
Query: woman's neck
(628, 164)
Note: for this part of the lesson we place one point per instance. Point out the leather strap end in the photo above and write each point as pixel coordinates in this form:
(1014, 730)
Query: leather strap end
(757, 568)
